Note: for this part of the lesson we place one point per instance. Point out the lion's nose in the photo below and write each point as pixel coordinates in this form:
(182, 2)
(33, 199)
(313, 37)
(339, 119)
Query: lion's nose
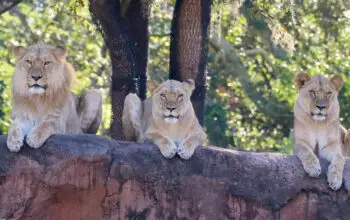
(36, 77)
(170, 109)
(320, 107)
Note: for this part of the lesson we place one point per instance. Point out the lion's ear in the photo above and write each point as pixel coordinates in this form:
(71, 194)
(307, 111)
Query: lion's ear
(300, 79)
(151, 85)
(19, 52)
(189, 85)
(337, 81)
(59, 52)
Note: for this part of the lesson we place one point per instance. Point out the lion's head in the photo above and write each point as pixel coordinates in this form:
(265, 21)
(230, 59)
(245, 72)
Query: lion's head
(41, 70)
(171, 100)
(318, 96)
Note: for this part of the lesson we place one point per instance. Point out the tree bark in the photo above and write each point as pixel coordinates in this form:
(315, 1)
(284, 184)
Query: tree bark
(6, 5)
(188, 47)
(137, 17)
(128, 52)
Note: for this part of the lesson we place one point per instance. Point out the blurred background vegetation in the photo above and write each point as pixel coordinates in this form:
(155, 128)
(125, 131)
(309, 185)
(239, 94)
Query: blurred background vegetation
(254, 52)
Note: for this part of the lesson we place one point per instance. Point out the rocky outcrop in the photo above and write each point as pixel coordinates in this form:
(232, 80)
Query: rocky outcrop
(90, 177)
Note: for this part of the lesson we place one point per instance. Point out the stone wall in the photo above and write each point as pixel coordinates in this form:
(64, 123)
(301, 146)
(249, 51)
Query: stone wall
(91, 177)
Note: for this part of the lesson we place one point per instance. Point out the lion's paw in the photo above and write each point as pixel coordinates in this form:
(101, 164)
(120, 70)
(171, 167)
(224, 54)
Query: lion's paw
(168, 150)
(15, 144)
(185, 152)
(313, 169)
(35, 139)
(334, 178)
(15, 140)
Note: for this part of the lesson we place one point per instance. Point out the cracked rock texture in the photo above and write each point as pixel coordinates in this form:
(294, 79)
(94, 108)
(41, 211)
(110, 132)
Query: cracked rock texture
(91, 177)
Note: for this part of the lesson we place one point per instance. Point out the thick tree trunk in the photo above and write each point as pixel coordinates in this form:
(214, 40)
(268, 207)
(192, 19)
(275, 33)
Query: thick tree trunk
(127, 49)
(6, 5)
(137, 17)
(188, 47)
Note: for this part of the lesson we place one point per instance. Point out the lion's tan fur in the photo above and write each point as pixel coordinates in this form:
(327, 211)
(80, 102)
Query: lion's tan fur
(150, 119)
(317, 128)
(346, 147)
(49, 107)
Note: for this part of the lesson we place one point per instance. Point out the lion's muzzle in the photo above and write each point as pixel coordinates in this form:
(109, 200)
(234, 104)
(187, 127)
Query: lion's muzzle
(319, 113)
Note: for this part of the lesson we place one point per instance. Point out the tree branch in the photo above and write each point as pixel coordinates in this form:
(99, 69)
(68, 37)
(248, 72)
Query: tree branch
(6, 5)
(255, 51)
(24, 22)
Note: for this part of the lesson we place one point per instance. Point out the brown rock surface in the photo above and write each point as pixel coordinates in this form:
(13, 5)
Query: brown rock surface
(90, 177)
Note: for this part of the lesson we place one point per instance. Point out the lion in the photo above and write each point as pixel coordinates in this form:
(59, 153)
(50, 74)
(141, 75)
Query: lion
(167, 119)
(43, 104)
(317, 129)
(346, 148)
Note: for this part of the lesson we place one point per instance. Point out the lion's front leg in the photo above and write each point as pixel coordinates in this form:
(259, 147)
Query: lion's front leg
(188, 146)
(332, 152)
(165, 145)
(308, 158)
(15, 138)
(40, 133)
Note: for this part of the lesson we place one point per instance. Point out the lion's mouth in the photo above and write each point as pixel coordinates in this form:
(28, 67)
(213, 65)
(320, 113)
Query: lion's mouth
(319, 116)
(37, 89)
(172, 117)
(37, 86)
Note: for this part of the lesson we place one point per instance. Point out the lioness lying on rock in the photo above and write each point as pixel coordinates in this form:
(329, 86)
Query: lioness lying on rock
(167, 119)
(317, 127)
(43, 104)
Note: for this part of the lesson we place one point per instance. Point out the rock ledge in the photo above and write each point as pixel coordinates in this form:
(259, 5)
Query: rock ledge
(91, 177)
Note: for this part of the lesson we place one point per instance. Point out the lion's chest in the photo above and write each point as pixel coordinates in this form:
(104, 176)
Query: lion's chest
(174, 134)
(321, 137)
(27, 126)
(29, 122)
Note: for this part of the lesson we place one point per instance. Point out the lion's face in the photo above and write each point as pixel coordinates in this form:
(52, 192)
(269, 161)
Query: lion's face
(317, 94)
(171, 100)
(39, 70)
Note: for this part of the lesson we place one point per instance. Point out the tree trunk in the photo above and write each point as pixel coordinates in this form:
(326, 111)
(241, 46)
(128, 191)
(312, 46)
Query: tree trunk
(6, 5)
(137, 17)
(124, 39)
(188, 47)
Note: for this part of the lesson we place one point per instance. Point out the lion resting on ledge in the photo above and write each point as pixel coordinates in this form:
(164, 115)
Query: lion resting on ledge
(167, 119)
(43, 104)
(317, 126)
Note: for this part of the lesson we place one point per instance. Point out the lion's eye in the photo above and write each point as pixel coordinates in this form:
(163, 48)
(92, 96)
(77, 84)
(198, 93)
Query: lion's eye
(47, 63)
(162, 95)
(180, 96)
(29, 62)
(312, 93)
(329, 94)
